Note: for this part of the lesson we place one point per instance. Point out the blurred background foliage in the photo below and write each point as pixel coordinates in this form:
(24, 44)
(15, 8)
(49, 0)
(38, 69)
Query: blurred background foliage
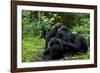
(34, 22)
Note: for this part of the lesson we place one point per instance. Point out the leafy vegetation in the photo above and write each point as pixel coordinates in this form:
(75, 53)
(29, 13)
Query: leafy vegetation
(34, 22)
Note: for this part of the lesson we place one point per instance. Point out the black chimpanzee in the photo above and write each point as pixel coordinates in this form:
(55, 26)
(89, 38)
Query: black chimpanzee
(50, 33)
(58, 48)
(55, 50)
(60, 41)
(64, 33)
(73, 41)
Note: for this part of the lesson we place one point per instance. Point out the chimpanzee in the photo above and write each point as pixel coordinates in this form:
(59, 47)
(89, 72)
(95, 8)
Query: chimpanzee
(80, 42)
(55, 50)
(45, 33)
(64, 33)
(50, 33)
(58, 48)
(60, 41)
(57, 26)
(73, 41)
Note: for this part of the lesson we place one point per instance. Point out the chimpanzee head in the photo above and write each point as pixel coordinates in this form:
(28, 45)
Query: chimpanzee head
(57, 26)
(45, 33)
(64, 28)
(54, 50)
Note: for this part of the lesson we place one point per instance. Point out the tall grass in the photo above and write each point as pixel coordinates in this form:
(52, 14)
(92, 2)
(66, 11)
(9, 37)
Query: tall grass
(32, 49)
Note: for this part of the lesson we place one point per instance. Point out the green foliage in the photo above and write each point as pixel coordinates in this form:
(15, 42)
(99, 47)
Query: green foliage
(26, 17)
(82, 28)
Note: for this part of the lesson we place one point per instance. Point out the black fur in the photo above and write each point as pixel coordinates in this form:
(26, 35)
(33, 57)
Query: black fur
(60, 41)
(55, 50)
(50, 33)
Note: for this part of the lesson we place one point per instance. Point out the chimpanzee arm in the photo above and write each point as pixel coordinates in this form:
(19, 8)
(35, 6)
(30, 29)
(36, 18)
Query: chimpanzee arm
(81, 43)
(71, 47)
